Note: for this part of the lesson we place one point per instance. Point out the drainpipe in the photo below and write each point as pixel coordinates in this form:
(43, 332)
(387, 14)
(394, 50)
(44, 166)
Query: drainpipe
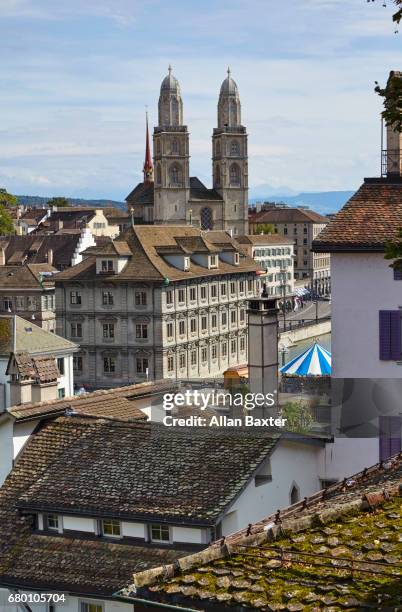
(152, 604)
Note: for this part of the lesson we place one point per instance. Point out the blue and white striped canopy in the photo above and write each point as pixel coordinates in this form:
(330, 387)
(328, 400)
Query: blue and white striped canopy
(315, 361)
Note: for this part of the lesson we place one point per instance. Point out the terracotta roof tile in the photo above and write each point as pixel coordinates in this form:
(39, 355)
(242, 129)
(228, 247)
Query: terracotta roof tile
(287, 215)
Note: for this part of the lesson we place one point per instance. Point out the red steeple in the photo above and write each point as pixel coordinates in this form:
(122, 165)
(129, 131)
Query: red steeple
(148, 167)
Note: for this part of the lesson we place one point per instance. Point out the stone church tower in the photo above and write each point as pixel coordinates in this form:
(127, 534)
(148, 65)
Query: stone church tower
(171, 156)
(229, 159)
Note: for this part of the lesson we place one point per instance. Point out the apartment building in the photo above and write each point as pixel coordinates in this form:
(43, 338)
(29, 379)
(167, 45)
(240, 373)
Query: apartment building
(159, 302)
(274, 255)
(302, 226)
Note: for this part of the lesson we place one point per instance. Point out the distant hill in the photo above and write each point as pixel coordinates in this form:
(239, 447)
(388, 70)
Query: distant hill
(39, 201)
(323, 202)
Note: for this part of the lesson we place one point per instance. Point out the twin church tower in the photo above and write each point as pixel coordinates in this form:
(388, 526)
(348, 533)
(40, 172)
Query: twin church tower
(169, 195)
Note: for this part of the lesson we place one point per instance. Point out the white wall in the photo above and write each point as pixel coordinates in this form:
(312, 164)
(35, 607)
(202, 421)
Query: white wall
(72, 604)
(290, 462)
(66, 381)
(6, 448)
(189, 535)
(22, 431)
(4, 381)
(362, 285)
(347, 456)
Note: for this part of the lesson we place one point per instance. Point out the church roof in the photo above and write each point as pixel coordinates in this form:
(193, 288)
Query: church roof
(143, 193)
(198, 191)
(229, 86)
(170, 83)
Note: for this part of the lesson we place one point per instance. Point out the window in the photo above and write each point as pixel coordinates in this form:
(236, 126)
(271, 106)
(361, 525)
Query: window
(75, 297)
(233, 347)
(182, 360)
(224, 318)
(390, 335)
(214, 321)
(86, 606)
(107, 265)
(108, 331)
(204, 323)
(20, 302)
(214, 292)
(193, 294)
(142, 365)
(241, 286)
(285, 230)
(61, 393)
(294, 495)
(76, 330)
(224, 349)
(234, 175)
(175, 146)
(390, 436)
(60, 365)
(169, 297)
(193, 325)
(203, 293)
(325, 483)
(204, 355)
(111, 528)
(242, 315)
(174, 175)
(193, 357)
(234, 148)
(249, 285)
(107, 298)
(214, 351)
(213, 261)
(181, 328)
(140, 298)
(223, 289)
(52, 522)
(141, 330)
(169, 330)
(206, 218)
(160, 533)
(109, 365)
(77, 363)
(237, 259)
(233, 317)
(242, 344)
(181, 296)
(397, 276)
(232, 288)
(170, 364)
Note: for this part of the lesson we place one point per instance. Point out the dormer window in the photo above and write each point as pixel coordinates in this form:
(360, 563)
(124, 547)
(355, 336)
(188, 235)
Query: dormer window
(236, 259)
(160, 533)
(52, 522)
(213, 261)
(111, 528)
(186, 265)
(107, 265)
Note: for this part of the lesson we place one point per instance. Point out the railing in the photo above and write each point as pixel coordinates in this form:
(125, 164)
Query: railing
(298, 323)
(391, 162)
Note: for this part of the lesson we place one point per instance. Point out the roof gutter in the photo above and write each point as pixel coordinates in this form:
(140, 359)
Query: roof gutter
(148, 603)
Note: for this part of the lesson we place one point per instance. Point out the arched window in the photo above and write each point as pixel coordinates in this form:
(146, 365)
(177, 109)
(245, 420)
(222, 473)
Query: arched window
(206, 218)
(217, 180)
(294, 494)
(175, 175)
(235, 175)
(234, 148)
(158, 175)
(175, 146)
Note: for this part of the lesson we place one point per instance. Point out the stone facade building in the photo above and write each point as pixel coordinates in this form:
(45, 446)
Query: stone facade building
(172, 196)
(302, 226)
(159, 302)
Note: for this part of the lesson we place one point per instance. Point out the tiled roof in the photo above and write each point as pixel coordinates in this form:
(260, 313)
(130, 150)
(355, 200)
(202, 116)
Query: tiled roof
(287, 215)
(40, 369)
(146, 471)
(92, 566)
(27, 276)
(31, 338)
(198, 191)
(34, 248)
(341, 550)
(146, 264)
(143, 193)
(371, 216)
(264, 239)
(116, 403)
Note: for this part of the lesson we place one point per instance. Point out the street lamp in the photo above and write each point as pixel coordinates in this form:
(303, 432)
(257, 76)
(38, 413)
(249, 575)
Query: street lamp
(283, 287)
(283, 350)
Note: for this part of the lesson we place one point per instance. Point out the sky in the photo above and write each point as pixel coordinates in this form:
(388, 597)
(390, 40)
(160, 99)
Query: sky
(77, 75)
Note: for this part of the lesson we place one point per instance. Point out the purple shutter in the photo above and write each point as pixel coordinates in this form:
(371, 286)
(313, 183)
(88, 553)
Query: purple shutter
(398, 274)
(390, 436)
(390, 335)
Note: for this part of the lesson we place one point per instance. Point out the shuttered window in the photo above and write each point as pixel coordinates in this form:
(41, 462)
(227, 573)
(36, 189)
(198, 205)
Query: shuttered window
(390, 436)
(390, 335)
(398, 274)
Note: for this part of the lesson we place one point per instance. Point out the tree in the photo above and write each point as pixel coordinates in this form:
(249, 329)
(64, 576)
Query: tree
(7, 199)
(59, 202)
(393, 250)
(298, 416)
(396, 16)
(265, 228)
(6, 222)
(392, 100)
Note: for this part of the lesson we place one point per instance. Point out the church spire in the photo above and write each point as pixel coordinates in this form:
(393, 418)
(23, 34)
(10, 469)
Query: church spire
(148, 167)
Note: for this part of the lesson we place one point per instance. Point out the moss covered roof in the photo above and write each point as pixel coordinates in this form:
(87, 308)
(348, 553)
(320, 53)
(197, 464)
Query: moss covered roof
(342, 552)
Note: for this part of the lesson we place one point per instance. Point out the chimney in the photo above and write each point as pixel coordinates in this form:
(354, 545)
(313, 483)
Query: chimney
(50, 257)
(394, 137)
(59, 224)
(2, 257)
(263, 351)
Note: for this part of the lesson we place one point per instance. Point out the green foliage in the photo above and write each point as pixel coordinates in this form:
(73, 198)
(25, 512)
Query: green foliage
(298, 416)
(393, 250)
(6, 222)
(59, 202)
(392, 100)
(7, 199)
(265, 228)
